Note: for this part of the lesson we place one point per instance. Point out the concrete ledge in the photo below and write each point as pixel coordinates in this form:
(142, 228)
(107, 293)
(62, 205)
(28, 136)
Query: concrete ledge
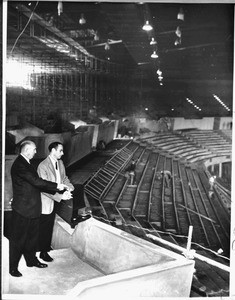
(102, 261)
(134, 267)
(149, 281)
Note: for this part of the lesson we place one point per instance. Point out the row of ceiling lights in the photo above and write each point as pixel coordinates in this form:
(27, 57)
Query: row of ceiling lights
(160, 77)
(215, 96)
(178, 32)
(180, 16)
(221, 102)
(193, 104)
(148, 27)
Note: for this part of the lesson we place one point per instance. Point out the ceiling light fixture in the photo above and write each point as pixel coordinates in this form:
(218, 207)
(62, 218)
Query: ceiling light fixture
(82, 20)
(180, 15)
(178, 32)
(154, 55)
(147, 26)
(177, 41)
(159, 72)
(153, 42)
(60, 7)
(96, 37)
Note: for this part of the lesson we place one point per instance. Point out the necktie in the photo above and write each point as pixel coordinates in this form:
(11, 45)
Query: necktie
(56, 166)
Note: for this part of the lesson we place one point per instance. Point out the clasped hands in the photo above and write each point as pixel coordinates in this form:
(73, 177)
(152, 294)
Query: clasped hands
(67, 193)
(61, 187)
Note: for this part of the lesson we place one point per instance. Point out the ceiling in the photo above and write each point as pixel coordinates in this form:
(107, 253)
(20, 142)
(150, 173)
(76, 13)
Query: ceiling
(198, 67)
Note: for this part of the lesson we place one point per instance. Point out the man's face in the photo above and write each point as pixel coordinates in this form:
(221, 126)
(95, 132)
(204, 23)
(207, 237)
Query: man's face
(58, 152)
(31, 151)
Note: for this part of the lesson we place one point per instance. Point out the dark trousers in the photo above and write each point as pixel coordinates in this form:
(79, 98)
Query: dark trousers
(7, 223)
(23, 239)
(45, 231)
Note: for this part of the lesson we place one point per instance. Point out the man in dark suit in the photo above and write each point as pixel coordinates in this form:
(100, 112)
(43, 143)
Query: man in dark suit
(26, 208)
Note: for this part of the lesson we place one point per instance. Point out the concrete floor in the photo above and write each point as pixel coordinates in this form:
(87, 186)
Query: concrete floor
(58, 278)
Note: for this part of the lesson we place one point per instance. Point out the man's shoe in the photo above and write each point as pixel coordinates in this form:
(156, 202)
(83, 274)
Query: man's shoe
(15, 273)
(84, 212)
(79, 219)
(45, 256)
(88, 210)
(37, 264)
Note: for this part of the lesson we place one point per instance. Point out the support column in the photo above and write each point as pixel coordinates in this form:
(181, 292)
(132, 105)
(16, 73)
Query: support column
(220, 169)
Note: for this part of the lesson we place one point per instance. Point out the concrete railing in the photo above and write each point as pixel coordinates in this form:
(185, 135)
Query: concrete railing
(132, 266)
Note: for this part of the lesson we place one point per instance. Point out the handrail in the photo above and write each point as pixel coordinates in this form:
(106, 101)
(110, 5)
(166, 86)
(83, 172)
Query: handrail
(162, 196)
(138, 186)
(112, 174)
(151, 188)
(110, 184)
(121, 193)
(184, 196)
(221, 187)
(195, 255)
(212, 204)
(203, 203)
(173, 197)
(196, 207)
(107, 162)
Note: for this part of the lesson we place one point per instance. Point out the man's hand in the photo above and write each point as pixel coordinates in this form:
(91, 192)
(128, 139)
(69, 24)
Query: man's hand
(61, 186)
(66, 195)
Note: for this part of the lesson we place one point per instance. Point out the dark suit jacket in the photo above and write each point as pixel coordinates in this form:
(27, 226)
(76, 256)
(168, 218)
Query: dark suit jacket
(27, 186)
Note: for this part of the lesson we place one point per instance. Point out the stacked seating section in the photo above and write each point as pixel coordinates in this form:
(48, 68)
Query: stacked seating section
(150, 204)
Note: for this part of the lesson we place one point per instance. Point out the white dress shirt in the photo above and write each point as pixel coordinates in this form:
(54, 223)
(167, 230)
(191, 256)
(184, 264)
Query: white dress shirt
(57, 171)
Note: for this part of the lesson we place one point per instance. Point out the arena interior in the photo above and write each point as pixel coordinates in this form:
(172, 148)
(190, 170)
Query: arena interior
(117, 82)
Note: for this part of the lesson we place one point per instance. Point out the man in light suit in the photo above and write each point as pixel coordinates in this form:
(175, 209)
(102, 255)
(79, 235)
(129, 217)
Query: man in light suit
(26, 208)
(52, 168)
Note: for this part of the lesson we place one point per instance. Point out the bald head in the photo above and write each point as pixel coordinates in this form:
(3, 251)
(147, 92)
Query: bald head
(28, 148)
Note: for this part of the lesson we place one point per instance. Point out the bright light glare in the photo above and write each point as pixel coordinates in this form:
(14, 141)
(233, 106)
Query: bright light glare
(18, 74)
(159, 72)
(147, 26)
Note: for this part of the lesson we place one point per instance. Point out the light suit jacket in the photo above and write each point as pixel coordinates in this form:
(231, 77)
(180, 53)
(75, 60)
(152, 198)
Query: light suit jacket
(46, 171)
